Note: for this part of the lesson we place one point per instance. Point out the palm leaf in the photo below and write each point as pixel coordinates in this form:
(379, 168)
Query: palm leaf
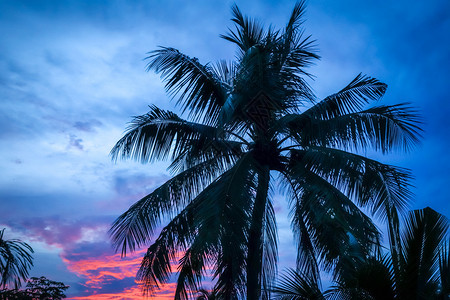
(371, 279)
(198, 88)
(230, 214)
(247, 32)
(159, 133)
(198, 151)
(360, 91)
(306, 252)
(382, 128)
(331, 219)
(270, 250)
(444, 270)
(370, 183)
(425, 233)
(294, 285)
(220, 211)
(156, 265)
(15, 261)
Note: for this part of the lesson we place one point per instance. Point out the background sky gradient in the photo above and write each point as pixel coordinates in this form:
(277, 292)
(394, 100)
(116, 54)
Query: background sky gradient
(72, 75)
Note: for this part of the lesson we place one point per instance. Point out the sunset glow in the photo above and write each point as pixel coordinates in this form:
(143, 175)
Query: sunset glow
(133, 293)
(73, 73)
(99, 270)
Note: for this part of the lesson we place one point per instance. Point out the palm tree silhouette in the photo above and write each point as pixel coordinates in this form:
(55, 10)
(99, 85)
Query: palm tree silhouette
(422, 269)
(422, 272)
(250, 122)
(15, 261)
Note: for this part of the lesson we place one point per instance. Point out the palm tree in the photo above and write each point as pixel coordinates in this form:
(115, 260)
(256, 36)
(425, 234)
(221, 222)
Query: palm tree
(251, 122)
(422, 271)
(15, 261)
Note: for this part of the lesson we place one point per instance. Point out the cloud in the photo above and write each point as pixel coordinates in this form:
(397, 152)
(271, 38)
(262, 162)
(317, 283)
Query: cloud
(107, 274)
(75, 142)
(60, 231)
(132, 293)
(87, 126)
(103, 268)
(85, 251)
(132, 183)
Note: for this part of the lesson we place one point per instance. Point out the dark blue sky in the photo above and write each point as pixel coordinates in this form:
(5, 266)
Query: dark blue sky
(72, 74)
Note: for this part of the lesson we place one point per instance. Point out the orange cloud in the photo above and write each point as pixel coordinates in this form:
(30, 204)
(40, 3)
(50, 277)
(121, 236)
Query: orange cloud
(108, 268)
(133, 293)
(99, 270)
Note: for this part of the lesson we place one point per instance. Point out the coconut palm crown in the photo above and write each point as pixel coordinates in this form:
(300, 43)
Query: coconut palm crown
(250, 123)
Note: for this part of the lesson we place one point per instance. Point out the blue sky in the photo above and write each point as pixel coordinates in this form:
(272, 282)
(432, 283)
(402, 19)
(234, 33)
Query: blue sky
(72, 75)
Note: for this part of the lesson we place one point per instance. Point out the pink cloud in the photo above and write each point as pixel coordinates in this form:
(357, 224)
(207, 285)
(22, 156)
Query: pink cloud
(133, 293)
(101, 269)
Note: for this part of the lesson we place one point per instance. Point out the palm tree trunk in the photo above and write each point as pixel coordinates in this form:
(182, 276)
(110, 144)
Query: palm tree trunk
(255, 248)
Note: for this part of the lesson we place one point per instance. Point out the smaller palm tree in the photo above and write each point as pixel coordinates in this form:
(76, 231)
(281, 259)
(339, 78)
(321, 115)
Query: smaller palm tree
(419, 270)
(15, 261)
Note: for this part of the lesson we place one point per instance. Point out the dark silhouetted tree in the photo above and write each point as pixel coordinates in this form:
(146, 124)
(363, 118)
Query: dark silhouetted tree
(43, 288)
(15, 262)
(421, 272)
(37, 288)
(249, 122)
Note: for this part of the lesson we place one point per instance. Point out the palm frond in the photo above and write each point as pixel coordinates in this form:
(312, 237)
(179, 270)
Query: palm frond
(270, 250)
(371, 279)
(191, 270)
(444, 269)
(335, 224)
(296, 16)
(382, 128)
(306, 252)
(374, 278)
(370, 183)
(229, 212)
(15, 261)
(198, 151)
(198, 88)
(425, 233)
(159, 134)
(156, 266)
(247, 32)
(294, 285)
(296, 52)
(201, 222)
(352, 98)
(226, 71)
(342, 292)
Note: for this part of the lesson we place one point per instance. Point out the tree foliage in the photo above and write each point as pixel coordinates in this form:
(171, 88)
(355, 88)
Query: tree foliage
(15, 261)
(37, 288)
(420, 273)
